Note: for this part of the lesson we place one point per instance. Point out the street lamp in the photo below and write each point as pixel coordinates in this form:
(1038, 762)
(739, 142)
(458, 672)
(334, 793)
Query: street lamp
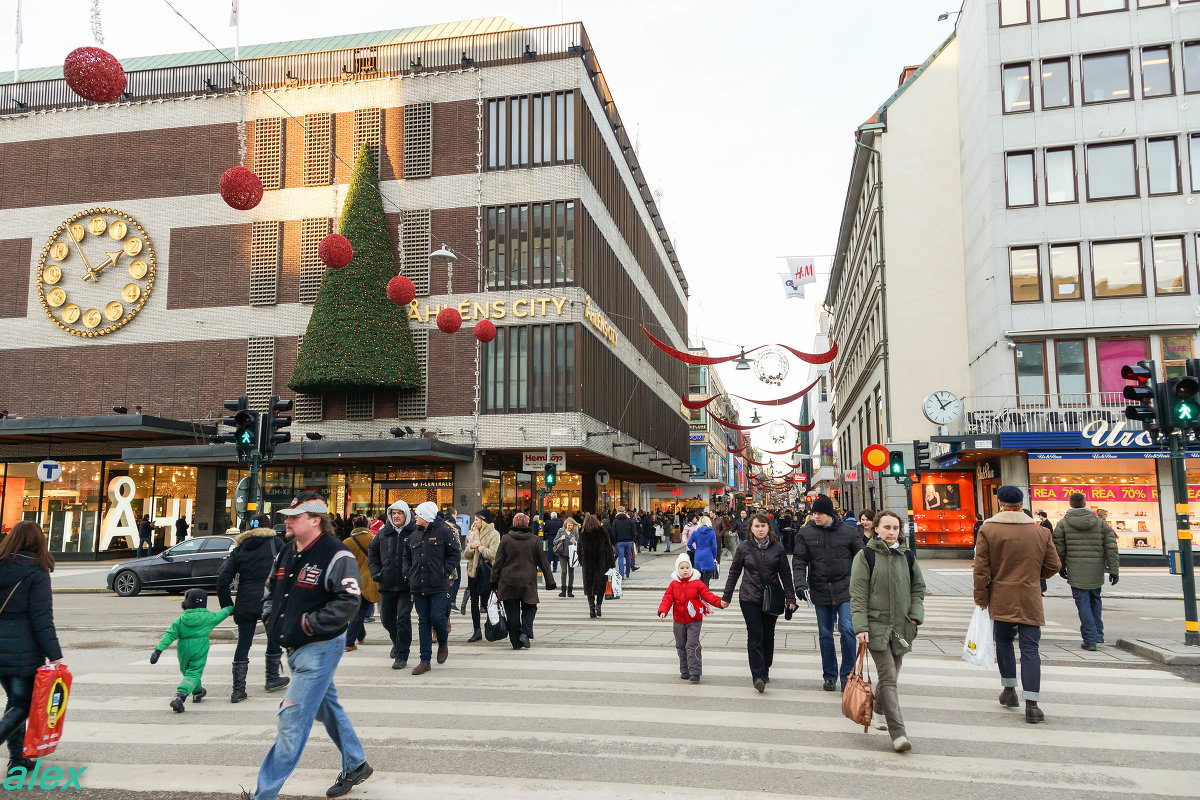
(742, 362)
(755, 419)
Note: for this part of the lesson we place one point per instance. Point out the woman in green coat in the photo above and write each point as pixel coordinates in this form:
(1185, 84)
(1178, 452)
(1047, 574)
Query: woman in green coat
(887, 603)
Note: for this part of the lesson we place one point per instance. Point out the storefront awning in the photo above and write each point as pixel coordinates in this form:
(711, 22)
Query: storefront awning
(306, 451)
(108, 428)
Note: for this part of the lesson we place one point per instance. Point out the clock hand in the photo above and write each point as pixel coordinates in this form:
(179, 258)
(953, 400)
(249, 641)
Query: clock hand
(79, 250)
(94, 273)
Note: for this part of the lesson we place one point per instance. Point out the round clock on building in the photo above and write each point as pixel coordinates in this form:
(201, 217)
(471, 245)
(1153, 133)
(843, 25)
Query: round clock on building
(942, 407)
(95, 272)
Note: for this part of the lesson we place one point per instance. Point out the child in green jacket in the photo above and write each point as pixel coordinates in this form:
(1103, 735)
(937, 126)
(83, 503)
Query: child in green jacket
(191, 628)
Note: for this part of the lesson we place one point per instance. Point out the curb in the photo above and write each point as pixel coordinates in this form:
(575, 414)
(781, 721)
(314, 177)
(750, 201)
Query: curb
(1157, 652)
(68, 590)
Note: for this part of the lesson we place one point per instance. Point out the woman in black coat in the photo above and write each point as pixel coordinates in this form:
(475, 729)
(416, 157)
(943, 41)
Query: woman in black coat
(27, 636)
(250, 562)
(761, 548)
(514, 579)
(596, 558)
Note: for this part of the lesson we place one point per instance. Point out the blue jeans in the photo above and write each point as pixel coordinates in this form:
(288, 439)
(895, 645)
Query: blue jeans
(826, 616)
(148, 543)
(432, 610)
(551, 556)
(312, 696)
(624, 556)
(1091, 627)
(1031, 661)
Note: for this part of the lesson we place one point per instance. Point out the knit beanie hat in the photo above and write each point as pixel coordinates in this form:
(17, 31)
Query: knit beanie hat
(195, 598)
(427, 511)
(683, 559)
(823, 505)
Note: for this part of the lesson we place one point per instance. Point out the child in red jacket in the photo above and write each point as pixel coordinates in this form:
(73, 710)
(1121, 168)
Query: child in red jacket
(686, 595)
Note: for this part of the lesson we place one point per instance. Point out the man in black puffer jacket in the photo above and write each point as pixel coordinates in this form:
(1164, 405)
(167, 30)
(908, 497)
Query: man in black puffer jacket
(825, 550)
(431, 554)
(385, 557)
(624, 534)
(250, 562)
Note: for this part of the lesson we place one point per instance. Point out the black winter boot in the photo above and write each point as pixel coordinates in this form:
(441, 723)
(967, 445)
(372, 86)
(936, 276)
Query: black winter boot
(12, 729)
(599, 603)
(199, 694)
(177, 702)
(591, 607)
(240, 668)
(275, 681)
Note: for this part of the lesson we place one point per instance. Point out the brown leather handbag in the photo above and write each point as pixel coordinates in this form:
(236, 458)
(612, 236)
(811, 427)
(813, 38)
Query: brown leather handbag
(858, 701)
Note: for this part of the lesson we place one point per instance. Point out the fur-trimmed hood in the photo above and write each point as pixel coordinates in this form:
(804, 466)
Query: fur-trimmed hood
(253, 533)
(1012, 518)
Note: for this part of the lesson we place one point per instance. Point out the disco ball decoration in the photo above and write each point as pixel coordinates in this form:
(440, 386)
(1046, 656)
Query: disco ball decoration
(94, 74)
(241, 188)
(335, 251)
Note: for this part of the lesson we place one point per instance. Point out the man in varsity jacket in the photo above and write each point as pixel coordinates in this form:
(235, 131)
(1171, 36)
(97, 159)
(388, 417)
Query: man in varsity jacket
(310, 598)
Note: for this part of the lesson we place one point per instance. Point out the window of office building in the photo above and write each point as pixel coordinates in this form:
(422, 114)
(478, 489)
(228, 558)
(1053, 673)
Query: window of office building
(1106, 77)
(1018, 169)
(1025, 273)
(1066, 274)
(1056, 83)
(530, 245)
(1060, 175)
(530, 368)
(1191, 67)
(1031, 373)
(1052, 9)
(1111, 355)
(1070, 367)
(1157, 78)
(1101, 6)
(1111, 171)
(1016, 89)
(531, 130)
(1152, 3)
(1194, 158)
(1014, 12)
(1176, 350)
(1162, 165)
(1117, 269)
(1170, 265)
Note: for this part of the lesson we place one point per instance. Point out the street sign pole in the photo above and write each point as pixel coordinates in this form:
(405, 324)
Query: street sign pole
(253, 488)
(1191, 634)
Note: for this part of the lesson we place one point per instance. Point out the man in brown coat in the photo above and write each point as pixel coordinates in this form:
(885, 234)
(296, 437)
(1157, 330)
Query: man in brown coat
(1013, 553)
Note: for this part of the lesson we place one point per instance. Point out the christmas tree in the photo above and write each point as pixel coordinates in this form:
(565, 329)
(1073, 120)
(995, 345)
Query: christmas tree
(358, 340)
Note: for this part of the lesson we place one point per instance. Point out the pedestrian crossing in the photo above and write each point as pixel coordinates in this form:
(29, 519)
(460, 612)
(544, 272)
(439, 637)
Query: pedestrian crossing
(595, 709)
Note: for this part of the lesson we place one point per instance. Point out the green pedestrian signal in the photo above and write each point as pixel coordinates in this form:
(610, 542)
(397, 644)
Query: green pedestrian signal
(551, 476)
(247, 438)
(896, 464)
(1185, 402)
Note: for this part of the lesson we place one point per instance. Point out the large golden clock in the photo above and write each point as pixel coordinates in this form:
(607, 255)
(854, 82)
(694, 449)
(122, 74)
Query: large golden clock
(95, 272)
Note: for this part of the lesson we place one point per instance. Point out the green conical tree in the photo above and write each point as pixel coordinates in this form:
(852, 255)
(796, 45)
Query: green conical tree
(358, 340)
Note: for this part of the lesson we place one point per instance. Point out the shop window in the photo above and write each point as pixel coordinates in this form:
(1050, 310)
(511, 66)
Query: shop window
(1015, 79)
(1056, 83)
(1124, 492)
(1106, 77)
(1170, 266)
(1111, 355)
(1066, 275)
(1060, 175)
(1162, 165)
(1117, 269)
(1158, 80)
(1031, 373)
(1071, 367)
(1176, 349)
(1025, 274)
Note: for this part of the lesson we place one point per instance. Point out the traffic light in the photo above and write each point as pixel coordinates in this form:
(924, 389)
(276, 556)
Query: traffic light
(1143, 394)
(551, 475)
(236, 406)
(1184, 404)
(245, 434)
(896, 464)
(272, 432)
(920, 457)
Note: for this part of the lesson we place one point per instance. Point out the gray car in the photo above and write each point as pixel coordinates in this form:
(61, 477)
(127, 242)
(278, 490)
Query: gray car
(193, 563)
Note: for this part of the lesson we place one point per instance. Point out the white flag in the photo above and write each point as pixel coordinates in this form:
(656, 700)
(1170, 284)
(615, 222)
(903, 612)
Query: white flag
(790, 286)
(233, 14)
(803, 270)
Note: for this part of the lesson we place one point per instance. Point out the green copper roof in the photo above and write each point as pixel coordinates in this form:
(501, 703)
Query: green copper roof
(444, 30)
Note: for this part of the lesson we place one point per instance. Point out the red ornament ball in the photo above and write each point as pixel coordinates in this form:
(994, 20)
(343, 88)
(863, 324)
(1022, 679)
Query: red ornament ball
(449, 320)
(485, 331)
(335, 251)
(401, 291)
(241, 188)
(94, 74)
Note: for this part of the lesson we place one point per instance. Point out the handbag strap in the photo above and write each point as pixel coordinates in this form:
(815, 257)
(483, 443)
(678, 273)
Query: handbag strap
(862, 662)
(10, 594)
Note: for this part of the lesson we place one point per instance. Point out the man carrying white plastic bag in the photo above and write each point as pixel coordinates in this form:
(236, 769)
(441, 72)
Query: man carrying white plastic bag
(979, 648)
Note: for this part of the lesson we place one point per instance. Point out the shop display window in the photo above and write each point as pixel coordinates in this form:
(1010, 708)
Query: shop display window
(1123, 491)
(944, 509)
(71, 508)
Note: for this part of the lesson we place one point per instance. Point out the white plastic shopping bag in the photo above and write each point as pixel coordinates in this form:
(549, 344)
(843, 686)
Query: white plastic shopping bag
(573, 556)
(493, 609)
(979, 648)
(614, 579)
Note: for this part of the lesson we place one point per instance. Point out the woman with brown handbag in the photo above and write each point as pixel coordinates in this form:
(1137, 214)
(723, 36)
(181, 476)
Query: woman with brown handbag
(887, 603)
(767, 589)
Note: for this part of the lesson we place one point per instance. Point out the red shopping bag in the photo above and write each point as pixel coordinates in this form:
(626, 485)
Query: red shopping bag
(51, 688)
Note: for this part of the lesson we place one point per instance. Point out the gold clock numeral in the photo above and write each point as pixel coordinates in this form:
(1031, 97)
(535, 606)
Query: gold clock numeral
(91, 318)
(60, 250)
(131, 292)
(114, 311)
(97, 225)
(56, 297)
(118, 229)
(52, 274)
(75, 231)
(70, 313)
(138, 269)
(133, 246)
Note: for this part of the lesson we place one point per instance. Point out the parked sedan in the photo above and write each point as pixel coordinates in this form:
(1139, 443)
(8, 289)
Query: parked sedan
(193, 563)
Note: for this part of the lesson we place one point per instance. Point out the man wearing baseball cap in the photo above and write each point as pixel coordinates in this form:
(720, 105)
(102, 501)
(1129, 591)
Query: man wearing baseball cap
(311, 596)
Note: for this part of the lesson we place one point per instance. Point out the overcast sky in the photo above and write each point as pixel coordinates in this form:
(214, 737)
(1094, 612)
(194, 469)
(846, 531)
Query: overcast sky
(746, 113)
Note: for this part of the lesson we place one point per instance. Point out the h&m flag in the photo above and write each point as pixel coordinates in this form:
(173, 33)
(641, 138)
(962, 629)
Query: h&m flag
(803, 270)
(791, 286)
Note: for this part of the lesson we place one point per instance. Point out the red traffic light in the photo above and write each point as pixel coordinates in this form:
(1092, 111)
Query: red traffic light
(1136, 372)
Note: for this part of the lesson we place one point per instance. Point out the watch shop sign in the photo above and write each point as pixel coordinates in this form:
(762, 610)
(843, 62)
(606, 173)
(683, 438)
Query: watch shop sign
(535, 461)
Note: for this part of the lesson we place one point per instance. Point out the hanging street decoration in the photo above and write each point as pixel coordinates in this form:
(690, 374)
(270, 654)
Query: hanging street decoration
(335, 251)
(241, 188)
(778, 432)
(449, 320)
(781, 401)
(688, 358)
(401, 291)
(771, 367)
(485, 330)
(94, 74)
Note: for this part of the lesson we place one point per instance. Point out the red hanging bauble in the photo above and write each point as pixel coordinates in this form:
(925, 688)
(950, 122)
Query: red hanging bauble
(401, 291)
(485, 331)
(94, 74)
(449, 320)
(335, 251)
(241, 188)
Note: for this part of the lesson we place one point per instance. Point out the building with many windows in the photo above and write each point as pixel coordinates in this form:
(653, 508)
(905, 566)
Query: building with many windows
(716, 473)
(1076, 163)
(500, 142)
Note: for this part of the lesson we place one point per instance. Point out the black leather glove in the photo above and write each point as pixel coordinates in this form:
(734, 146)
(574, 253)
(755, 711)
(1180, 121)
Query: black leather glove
(1062, 573)
(1112, 579)
(801, 596)
(154, 656)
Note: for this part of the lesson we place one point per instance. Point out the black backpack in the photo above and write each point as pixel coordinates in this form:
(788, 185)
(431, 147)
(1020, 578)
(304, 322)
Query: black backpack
(869, 555)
